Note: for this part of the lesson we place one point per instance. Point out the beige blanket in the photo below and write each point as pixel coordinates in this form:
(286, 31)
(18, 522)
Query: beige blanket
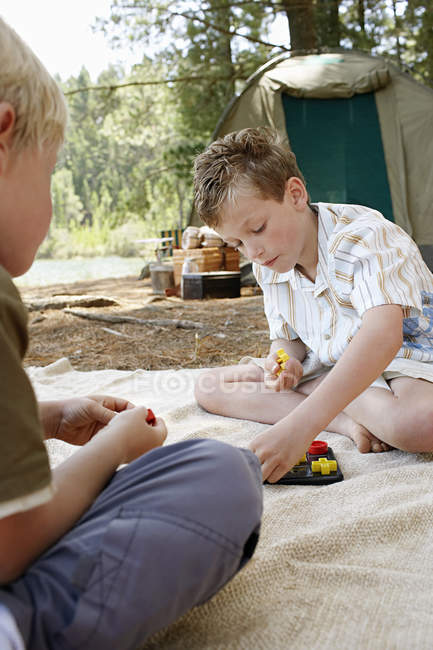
(348, 565)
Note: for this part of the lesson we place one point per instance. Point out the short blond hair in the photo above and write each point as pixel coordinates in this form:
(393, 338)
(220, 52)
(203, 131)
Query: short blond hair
(251, 162)
(38, 102)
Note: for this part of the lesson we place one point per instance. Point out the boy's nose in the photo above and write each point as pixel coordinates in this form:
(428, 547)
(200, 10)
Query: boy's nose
(255, 252)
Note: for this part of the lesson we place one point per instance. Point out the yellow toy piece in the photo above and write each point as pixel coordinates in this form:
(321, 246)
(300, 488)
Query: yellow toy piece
(324, 466)
(282, 357)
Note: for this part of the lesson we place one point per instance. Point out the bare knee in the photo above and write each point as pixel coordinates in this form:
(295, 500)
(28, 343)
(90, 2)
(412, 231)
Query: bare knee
(207, 390)
(413, 430)
(233, 485)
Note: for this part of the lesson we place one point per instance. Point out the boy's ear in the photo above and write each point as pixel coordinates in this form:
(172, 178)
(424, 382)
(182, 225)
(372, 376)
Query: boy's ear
(7, 123)
(297, 192)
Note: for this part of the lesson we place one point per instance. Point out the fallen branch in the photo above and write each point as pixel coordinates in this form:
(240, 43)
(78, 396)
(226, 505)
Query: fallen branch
(110, 331)
(61, 301)
(155, 322)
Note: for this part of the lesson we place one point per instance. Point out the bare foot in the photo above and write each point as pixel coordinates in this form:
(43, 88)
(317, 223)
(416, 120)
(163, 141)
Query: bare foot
(364, 440)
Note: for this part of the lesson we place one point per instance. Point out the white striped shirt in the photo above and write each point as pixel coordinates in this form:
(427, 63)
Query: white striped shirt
(364, 261)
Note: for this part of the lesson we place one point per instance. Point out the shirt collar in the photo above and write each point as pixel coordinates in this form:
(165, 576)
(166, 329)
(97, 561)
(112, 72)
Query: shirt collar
(323, 218)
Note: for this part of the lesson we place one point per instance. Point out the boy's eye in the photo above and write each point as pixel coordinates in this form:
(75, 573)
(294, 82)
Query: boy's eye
(258, 230)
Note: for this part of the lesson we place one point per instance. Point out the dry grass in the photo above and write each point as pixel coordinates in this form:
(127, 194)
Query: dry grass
(232, 328)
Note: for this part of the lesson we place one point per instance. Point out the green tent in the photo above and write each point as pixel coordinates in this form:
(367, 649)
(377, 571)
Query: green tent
(361, 129)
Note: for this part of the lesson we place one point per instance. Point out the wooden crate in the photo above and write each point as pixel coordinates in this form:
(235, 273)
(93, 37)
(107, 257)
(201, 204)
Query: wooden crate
(206, 259)
(231, 259)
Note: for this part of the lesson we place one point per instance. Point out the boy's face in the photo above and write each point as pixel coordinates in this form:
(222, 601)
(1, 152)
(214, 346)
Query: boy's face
(270, 233)
(25, 206)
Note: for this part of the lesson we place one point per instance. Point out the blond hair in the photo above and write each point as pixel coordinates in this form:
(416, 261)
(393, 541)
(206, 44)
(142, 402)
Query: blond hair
(38, 102)
(251, 162)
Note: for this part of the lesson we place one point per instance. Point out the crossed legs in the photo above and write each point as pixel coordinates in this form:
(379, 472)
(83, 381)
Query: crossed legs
(402, 417)
(376, 420)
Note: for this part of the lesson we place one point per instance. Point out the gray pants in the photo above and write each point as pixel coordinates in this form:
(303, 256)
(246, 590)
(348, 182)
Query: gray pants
(167, 532)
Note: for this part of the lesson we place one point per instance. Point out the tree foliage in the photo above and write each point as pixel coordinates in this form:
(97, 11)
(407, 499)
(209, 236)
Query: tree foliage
(131, 142)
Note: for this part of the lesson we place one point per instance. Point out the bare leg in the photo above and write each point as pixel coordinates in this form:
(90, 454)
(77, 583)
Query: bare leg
(361, 436)
(239, 392)
(403, 418)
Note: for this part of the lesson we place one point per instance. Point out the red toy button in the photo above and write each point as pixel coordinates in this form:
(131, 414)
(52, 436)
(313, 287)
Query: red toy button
(318, 447)
(150, 419)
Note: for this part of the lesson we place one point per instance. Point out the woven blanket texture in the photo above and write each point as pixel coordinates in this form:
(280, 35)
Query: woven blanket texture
(348, 565)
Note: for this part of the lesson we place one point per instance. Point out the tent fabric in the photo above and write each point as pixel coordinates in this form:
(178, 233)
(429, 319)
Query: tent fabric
(322, 76)
(350, 144)
(404, 109)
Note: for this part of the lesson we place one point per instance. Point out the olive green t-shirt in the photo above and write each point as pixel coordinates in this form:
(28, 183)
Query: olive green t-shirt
(25, 477)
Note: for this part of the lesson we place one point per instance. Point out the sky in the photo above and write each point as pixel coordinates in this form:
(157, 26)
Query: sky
(60, 34)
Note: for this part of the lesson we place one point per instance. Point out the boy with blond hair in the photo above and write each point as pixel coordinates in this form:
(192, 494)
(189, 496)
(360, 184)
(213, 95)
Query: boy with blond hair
(91, 557)
(346, 295)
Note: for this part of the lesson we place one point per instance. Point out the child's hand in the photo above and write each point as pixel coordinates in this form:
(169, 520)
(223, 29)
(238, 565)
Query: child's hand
(287, 379)
(278, 451)
(134, 434)
(77, 420)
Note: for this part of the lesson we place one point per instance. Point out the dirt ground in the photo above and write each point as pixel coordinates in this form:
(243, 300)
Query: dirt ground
(230, 328)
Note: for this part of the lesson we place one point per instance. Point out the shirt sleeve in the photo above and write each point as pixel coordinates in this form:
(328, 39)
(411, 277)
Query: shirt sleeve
(25, 476)
(376, 263)
(276, 305)
(10, 638)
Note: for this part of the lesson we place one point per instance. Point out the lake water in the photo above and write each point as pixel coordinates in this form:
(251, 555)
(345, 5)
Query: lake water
(45, 272)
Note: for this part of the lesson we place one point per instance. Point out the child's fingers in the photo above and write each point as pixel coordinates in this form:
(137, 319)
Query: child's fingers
(271, 364)
(157, 424)
(271, 381)
(117, 404)
(288, 379)
(161, 428)
(292, 374)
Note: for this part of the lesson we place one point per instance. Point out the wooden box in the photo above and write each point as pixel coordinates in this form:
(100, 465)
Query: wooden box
(231, 259)
(206, 260)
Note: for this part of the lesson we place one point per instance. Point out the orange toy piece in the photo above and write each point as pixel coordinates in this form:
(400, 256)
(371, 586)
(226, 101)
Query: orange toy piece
(150, 419)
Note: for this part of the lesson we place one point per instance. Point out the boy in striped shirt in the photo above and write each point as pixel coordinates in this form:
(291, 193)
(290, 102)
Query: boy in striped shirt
(347, 296)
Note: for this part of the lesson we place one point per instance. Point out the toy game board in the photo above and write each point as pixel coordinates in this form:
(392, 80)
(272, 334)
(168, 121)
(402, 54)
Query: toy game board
(318, 467)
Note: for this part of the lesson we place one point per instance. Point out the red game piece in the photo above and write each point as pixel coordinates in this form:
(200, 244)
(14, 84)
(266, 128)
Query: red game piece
(318, 447)
(150, 419)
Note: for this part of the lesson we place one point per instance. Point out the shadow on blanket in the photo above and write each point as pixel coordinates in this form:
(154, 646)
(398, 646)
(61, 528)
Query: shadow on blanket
(347, 565)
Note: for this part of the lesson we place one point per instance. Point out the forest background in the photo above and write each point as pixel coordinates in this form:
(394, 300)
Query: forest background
(125, 170)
